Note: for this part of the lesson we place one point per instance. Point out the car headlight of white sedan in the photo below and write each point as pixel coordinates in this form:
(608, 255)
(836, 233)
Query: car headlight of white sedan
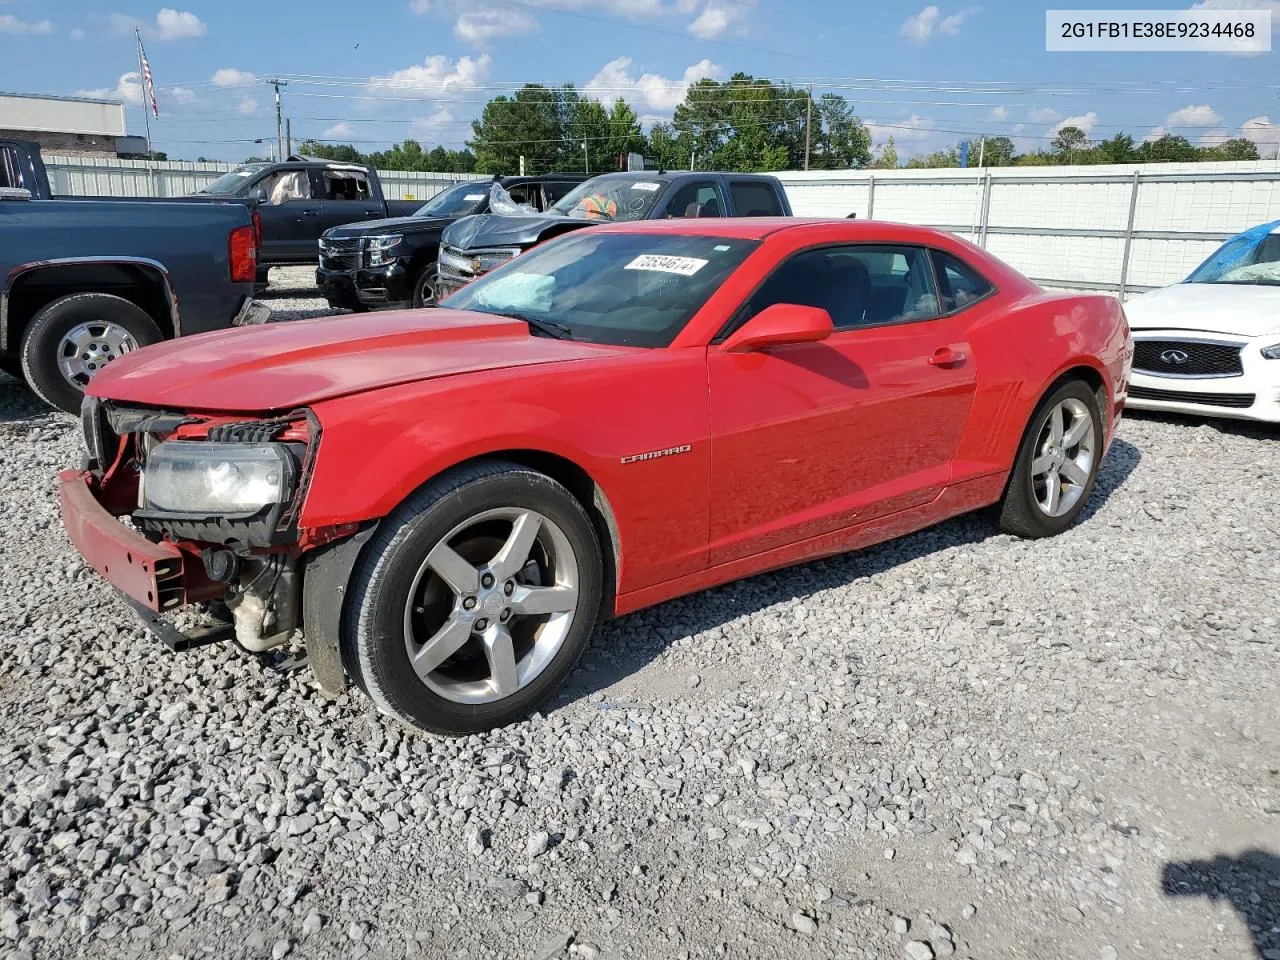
(196, 477)
(1272, 352)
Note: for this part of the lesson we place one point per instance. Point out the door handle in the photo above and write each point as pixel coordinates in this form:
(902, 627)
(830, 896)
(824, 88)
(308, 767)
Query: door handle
(311, 213)
(946, 357)
(373, 213)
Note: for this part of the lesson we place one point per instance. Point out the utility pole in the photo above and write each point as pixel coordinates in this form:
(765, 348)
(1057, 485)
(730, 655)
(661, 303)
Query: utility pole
(982, 150)
(586, 160)
(288, 136)
(278, 83)
(808, 120)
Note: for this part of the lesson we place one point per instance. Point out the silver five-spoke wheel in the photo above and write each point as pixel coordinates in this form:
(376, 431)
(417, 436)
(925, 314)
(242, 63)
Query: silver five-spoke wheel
(88, 347)
(1065, 452)
(491, 605)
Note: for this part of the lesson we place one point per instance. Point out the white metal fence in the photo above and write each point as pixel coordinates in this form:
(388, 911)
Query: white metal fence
(105, 177)
(1122, 229)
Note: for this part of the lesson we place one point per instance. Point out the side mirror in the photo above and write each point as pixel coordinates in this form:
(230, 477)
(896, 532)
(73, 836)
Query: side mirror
(780, 324)
(259, 194)
(14, 193)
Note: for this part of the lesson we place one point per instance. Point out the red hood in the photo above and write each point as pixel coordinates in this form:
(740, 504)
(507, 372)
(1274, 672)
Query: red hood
(291, 364)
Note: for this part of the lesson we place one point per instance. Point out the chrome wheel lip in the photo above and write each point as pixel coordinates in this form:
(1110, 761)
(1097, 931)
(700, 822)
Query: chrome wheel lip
(1064, 458)
(485, 608)
(88, 347)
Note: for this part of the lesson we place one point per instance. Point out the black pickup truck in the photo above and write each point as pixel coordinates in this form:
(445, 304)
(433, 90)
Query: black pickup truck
(475, 245)
(84, 280)
(303, 197)
(392, 263)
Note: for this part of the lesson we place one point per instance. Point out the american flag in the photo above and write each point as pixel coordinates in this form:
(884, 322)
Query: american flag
(148, 87)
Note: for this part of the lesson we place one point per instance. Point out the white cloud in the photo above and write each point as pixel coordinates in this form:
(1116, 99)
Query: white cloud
(1214, 138)
(1154, 134)
(1043, 115)
(429, 127)
(1086, 122)
(77, 33)
(913, 129)
(952, 23)
(248, 107)
(11, 24)
(1193, 116)
(1264, 133)
(231, 77)
(169, 24)
(435, 74)
(338, 131)
(419, 6)
(919, 27)
(651, 90)
(1272, 5)
(128, 89)
(998, 114)
(480, 27)
(180, 94)
(715, 19)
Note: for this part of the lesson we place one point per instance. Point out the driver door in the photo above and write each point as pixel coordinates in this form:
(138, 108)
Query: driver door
(290, 217)
(812, 438)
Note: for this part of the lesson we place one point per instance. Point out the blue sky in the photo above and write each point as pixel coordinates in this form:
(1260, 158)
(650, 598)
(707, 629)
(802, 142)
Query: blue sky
(376, 71)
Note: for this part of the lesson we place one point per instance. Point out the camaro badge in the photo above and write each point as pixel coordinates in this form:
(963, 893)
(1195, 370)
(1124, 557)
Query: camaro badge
(655, 454)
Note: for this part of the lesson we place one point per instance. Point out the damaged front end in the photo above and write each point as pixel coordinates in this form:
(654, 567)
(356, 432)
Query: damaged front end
(213, 504)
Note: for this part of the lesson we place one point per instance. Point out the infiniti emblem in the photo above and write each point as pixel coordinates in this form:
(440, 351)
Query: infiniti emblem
(1174, 356)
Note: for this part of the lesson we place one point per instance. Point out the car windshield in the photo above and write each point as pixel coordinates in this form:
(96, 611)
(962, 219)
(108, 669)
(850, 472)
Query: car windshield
(1247, 259)
(232, 183)
(457, 201)
(611, 198)
(625, 289)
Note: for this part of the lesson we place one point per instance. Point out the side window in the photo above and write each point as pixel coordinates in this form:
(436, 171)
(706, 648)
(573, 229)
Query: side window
(754, 199)
(554, 190)
(858, 285)
(10, 175)
(961, 284)
(696, 200)
(345, 185)
(526, 193)
(286, 185)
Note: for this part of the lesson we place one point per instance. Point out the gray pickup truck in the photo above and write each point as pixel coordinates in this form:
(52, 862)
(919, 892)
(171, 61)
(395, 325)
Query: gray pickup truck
(475, 245)
(84, 281)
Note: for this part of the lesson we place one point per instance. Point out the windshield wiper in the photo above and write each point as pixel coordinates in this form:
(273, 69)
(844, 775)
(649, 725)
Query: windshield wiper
(557, 331)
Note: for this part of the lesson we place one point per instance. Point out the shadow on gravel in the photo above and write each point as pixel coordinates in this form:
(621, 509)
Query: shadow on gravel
(18, 405)
(1249, 882)
(1237, 428)
(622, 646)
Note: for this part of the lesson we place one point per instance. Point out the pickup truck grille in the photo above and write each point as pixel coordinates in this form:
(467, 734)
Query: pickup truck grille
(338, 254)
(463, 266)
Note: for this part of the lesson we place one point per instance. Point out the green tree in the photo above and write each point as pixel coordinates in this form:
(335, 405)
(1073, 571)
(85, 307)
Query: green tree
(1169, 148)
(887, 156)
(528, 123)
(343, 152)
(1115, 149)
(939, 158)
(1070, 141)
(667, 148)
(1241, 148)
(840, 140)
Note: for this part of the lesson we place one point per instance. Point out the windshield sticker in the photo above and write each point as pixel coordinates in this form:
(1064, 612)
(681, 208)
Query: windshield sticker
(645, 185)
(720, 247)
(473, 196)
(684, 266)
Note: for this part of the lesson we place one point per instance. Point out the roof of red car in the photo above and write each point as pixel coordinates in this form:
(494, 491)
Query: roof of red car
(757, 228)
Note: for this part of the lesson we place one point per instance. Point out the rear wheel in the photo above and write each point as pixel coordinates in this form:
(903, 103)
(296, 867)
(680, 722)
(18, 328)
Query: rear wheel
(475, 600)
(1057, 464)
(424, 288)
(70, 340)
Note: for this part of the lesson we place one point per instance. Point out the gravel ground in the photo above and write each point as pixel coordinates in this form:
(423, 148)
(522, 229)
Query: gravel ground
(958, 744)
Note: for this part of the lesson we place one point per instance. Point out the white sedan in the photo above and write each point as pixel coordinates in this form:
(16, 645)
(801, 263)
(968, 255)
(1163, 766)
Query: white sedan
(1210, 345)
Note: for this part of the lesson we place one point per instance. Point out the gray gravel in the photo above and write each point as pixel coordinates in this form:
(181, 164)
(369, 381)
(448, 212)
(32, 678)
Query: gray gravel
(1070, 747)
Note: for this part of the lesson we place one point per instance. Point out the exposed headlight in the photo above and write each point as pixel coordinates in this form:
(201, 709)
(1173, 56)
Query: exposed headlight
(1272, 353)
(449, 257)
(227, 479)
(380, 248)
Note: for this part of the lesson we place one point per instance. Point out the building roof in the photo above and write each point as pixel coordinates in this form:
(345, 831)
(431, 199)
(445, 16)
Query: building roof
(56, 96)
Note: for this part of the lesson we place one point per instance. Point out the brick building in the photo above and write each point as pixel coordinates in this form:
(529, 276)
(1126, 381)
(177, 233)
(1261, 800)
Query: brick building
(77, 126)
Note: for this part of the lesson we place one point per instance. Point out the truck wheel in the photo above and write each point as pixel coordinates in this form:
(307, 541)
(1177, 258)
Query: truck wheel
(474, 601)
(424, 289)
(73, 338)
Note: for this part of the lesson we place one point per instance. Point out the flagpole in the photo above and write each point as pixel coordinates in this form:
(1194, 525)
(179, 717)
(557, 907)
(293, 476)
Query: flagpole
(142, 85)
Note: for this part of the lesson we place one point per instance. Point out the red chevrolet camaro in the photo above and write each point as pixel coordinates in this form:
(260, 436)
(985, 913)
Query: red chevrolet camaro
(446, 501)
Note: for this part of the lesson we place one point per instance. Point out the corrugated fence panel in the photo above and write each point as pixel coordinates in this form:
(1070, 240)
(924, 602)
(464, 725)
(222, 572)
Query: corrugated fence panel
(828, 200)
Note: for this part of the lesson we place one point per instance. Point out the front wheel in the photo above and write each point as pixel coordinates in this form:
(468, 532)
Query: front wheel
(71, 339)
(1057, 464)
(424, 288)
(475, 600)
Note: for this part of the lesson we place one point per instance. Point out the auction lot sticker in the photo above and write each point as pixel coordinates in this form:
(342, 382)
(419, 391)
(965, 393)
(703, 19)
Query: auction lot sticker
(1206, 29)
(685, 266)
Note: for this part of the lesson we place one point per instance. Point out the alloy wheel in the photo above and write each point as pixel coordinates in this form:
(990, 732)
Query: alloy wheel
(88, 347)
(1065, 452)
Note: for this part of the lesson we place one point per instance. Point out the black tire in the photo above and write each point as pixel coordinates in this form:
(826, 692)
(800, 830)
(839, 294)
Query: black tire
(1020, 512)
(424, 288)
(373, 635)
(44, 334)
